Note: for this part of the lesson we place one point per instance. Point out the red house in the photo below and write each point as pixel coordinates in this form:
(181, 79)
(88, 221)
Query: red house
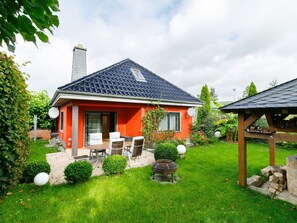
(115, 99)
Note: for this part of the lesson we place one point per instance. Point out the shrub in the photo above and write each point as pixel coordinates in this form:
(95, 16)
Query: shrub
(114, 164)
(39, 105)
(78, 172)
(228, 127)
(288, 145)
(32, 169)
(14, 123)
(177, 142)
(166, 151)
(150, 124)
(164, 136)
(199, 138)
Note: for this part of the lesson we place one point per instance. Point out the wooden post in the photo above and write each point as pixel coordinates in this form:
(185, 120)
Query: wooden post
(271, 142)
(74, 130)
(241, 151)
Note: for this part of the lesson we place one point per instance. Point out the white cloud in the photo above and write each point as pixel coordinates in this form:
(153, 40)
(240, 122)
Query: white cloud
(225, 44)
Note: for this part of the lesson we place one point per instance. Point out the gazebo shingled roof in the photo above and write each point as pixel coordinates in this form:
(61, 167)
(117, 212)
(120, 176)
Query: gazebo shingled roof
(276, 104)
(281, 96)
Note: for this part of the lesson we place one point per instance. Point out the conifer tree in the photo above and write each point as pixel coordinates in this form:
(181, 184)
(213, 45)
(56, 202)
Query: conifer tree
(252, 89)
(205, 109)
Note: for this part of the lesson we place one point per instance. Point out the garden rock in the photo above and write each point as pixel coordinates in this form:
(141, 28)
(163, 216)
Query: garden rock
(267, 171)
(254, 181)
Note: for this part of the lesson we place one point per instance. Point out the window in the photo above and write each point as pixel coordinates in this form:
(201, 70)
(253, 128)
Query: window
(170, 122)
(62, 121)
(137, 74)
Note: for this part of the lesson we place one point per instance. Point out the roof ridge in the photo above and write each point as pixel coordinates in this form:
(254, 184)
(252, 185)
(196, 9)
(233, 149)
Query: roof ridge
(94, 73)
(166, 81)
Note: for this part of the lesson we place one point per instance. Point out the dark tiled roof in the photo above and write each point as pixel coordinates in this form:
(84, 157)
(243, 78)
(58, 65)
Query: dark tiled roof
(281, 96)
(118, 80)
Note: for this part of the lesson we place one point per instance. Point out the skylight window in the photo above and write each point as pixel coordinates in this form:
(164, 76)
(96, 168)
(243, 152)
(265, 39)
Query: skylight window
(137, 74)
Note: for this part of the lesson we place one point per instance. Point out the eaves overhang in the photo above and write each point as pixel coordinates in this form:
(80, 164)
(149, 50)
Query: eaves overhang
(61, 97)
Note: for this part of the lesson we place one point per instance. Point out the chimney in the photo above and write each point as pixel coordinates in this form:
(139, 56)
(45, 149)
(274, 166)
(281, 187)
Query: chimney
(79, 63)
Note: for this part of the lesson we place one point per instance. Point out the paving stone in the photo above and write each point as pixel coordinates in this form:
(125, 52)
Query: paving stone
(60, 160)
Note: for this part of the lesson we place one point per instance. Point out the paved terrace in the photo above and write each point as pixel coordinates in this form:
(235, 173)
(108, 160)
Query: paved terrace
(58, 162)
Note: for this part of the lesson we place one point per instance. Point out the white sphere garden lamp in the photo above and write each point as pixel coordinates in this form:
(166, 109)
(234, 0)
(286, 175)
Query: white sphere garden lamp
(41, 179)
(181, 150)
(217, 134)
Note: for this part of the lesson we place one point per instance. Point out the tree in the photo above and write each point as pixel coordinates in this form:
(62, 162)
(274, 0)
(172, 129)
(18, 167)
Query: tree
(14, 123)
(39, 105)
(206, 107)
(30, 18)
(213, 95)
(273, 83)
(205, 97)
(250, 90)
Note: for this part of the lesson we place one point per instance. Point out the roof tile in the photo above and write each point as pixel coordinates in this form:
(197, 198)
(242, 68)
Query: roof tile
(118, 80)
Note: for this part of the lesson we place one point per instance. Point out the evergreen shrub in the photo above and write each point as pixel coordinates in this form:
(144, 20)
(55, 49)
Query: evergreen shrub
(78, 172)
(166, 151)
(32, 169)
(114, 164)
(14, 123)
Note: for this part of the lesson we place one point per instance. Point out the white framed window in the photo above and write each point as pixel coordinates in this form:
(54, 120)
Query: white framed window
(170, 122)
(137, 74)
(62, 121)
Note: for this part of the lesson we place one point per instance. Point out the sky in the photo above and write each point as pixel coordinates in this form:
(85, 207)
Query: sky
(224, 44)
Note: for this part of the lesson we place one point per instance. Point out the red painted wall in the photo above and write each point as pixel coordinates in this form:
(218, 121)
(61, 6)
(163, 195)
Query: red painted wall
(128, 118)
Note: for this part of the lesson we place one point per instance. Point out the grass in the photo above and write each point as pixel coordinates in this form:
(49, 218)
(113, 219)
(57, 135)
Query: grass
(38, 151)
(207, 192)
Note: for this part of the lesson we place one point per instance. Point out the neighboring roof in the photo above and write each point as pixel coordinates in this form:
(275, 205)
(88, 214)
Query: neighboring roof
(279, 97)
(118, 81)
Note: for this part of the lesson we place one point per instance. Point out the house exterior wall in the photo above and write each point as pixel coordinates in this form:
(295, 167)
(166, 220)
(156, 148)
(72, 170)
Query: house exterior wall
(65, 134)
(128, 120)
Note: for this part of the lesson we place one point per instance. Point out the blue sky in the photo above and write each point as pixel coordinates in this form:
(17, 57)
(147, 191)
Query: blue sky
(224, 44)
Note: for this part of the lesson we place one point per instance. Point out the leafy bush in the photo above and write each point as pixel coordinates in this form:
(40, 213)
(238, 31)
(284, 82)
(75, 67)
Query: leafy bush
(114, 164)
(78, 172)
(177, 142)
(209, 127)
(166, 151)
(150, 124)
(39, 105)
(228, 127)
(199, 138)
(32, 169)
(288, 145)
(14, 124)
(164, 136)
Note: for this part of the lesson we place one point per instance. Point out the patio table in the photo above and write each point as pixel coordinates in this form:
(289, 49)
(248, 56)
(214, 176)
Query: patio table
(101, 148)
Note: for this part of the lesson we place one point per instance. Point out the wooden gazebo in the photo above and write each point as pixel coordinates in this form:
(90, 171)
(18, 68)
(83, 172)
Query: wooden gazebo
(278, 104)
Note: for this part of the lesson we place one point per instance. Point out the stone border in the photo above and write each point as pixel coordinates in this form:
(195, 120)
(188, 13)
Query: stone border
(284, 195)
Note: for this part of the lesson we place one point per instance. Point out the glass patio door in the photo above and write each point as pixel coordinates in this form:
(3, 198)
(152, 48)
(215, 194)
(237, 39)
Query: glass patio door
(92, 125)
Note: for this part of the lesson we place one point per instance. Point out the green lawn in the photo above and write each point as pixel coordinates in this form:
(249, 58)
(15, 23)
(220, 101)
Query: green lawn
(206, 192)
(38, 151)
